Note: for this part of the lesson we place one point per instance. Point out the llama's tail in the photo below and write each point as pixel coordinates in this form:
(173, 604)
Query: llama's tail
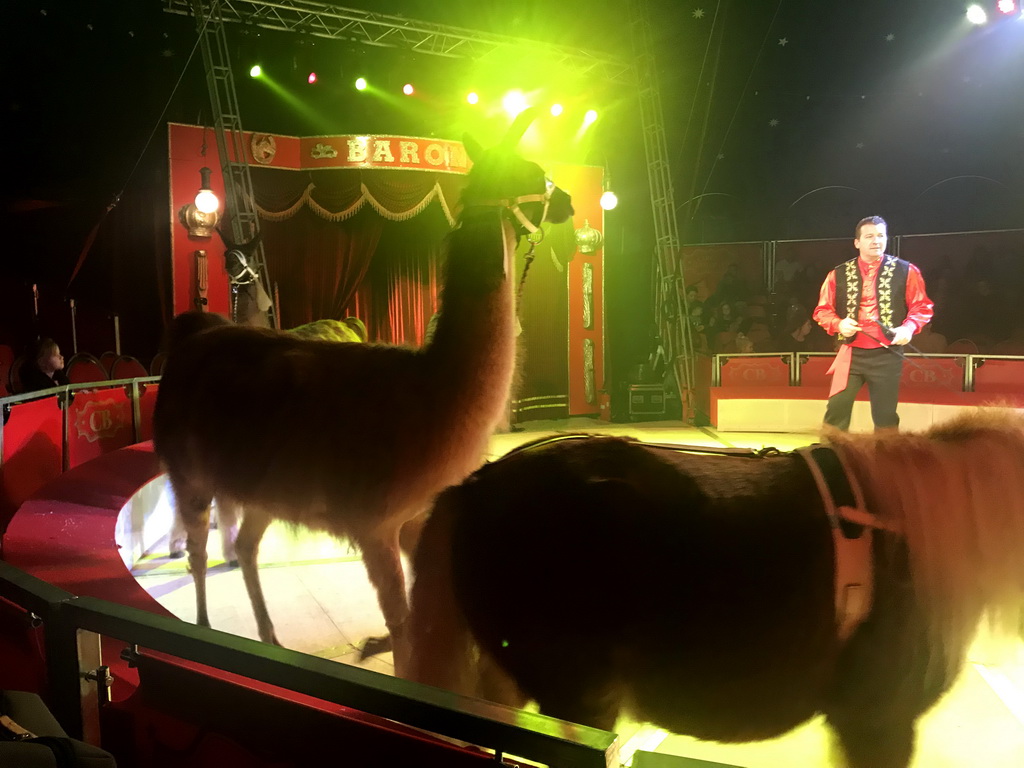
(442, 648)
(956, 497)
(188, 324)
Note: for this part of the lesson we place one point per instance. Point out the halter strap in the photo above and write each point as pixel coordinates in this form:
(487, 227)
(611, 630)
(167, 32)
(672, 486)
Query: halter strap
(511, 204)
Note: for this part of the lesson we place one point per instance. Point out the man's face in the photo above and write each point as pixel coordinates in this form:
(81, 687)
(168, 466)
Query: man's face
(871, 242)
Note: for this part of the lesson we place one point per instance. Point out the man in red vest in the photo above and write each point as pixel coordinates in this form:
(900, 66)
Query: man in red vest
(875, 304)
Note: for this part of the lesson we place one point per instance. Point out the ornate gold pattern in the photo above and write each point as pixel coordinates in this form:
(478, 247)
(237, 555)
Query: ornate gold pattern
(885, 292)
(589, 388)
(588, 295)
(320, 151)
(263, 147)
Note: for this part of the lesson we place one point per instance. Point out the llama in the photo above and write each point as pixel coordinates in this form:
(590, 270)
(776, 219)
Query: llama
(352, 439)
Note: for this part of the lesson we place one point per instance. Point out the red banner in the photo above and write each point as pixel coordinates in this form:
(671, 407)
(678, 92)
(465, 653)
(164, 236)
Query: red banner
(345, 151)
(755, 372)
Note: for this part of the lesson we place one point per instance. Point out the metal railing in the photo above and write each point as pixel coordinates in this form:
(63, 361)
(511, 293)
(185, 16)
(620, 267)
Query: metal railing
(795, 360)
(503, 729)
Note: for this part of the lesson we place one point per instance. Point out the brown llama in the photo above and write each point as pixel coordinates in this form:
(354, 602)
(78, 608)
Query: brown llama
(352, 439)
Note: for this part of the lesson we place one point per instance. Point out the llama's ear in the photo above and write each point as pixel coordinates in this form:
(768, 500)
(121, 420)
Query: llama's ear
(518, 128)
(473, 148)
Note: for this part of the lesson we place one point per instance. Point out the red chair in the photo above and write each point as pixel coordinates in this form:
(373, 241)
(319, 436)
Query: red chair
(6, 361)
(127, 367)
(962, 347)
(107, 361)
(14, 376)
(83, 368)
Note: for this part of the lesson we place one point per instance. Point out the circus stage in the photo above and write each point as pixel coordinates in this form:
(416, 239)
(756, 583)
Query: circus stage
(323, 605)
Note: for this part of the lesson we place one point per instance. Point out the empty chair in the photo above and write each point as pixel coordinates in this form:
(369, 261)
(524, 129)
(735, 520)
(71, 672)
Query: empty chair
(962, 347)
(156, 367)
(107, 361)
(83, 368)
(127, 367)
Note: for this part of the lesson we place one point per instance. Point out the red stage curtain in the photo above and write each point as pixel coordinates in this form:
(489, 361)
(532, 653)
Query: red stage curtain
(356, 242)
(317, 265)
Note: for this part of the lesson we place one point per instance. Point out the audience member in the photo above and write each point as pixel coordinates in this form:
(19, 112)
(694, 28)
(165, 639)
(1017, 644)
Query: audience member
(43, 367)
(930, 342)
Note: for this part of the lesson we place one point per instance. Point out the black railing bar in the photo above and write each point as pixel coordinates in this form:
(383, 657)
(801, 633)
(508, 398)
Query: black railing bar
(29, 592)
(39, 394)
(509, 730)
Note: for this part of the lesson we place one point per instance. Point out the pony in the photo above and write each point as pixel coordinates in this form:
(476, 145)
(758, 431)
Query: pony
(728, 563)
(353, 439)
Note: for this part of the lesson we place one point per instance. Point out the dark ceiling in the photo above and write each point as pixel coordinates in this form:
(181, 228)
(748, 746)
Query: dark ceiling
(783, 117)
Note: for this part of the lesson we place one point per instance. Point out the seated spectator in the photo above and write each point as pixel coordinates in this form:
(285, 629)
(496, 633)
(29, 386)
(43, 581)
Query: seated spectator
(43, 367)
(929, 342)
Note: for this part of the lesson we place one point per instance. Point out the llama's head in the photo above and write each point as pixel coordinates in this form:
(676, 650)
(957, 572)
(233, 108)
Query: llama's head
(500, 178)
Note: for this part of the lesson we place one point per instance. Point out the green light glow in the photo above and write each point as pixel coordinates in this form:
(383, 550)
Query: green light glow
(256, 71)
(361, 83)
(514, 102)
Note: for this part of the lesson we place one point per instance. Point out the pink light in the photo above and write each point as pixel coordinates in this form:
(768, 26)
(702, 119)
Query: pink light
(1007, 6)
(312, 78)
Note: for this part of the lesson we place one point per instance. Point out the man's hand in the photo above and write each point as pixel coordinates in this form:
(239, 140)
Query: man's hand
(901, 335)
(848, 326)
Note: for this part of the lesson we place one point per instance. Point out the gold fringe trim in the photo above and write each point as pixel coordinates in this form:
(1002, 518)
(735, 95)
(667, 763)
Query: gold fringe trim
(306, 198)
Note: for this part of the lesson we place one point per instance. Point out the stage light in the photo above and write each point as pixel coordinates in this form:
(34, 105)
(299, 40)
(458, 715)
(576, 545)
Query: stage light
(609, 200)
(361, 84)
(407, 89)
(556, 110)
(514, 102)
(473, 97)
(256, 71)
(590, 116)
(312, 78)
(1007, 6)
(976, 14)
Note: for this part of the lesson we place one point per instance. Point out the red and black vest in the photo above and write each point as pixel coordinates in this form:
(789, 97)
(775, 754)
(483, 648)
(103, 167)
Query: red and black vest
(890, 292)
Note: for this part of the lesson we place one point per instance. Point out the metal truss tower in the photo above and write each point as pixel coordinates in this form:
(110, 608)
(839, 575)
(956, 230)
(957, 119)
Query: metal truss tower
(240, 205)
(671, 311)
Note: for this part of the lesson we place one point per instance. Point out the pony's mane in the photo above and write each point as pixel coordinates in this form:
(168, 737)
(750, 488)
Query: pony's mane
(955, 495)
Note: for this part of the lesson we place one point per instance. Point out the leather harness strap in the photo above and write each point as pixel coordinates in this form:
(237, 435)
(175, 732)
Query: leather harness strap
(852, 535)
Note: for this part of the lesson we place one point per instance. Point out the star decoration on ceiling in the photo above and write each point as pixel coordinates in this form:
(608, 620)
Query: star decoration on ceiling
(698, 13)
(860, 145)
(774, 122)
(783, 41)
(721, 156)
(890, 37)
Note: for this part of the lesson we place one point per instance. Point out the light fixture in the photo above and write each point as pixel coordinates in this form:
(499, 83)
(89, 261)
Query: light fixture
(587, 238)
(408, 90)
(976, 14)
(609, 200)
(200, 217)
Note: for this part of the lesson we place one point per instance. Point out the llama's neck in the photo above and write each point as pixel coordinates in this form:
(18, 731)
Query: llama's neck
(473, 349)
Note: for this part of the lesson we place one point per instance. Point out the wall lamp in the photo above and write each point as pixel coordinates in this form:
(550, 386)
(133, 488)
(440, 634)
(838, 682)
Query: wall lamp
(201, 217)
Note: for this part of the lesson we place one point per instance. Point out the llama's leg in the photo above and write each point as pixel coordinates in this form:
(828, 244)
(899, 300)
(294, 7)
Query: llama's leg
(194, 514)
(409, 535)
(176, 538)
(384, 567)
(247, 547)
(869, 742)
(494, 684)
(227, 527)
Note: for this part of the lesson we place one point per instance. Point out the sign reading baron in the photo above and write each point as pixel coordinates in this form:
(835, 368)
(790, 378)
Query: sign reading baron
(405, 152)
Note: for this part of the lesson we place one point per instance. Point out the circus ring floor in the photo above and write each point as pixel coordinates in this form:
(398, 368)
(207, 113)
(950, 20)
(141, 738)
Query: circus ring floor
(323, 605)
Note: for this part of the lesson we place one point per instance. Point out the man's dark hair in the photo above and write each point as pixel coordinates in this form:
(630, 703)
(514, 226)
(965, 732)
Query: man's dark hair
(878, 221)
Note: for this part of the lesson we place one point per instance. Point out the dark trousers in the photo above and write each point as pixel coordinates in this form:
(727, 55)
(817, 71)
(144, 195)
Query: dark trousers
(881, 369)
